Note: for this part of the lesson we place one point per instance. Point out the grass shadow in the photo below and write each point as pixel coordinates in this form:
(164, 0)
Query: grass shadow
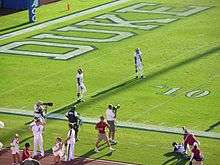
(176, 158)
(15, 26)
(213, 126)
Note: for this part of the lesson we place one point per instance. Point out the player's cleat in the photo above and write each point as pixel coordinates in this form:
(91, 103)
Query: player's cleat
(136, 77)
(96, 149)
(142, 77)
(111, 149)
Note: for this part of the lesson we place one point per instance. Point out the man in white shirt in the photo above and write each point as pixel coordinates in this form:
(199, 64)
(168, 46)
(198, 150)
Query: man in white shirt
(70, 141)
(37, 129)
(81, 88)
(111, 118)
(138, 62)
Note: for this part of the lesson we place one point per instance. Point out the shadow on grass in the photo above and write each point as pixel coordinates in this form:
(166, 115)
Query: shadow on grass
(82, 159)
(16, 26)
(175, 158)
(213, 126)
(132, 82)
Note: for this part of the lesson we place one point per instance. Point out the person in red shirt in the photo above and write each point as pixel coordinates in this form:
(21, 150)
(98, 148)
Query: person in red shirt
(189, 139)
(26, 152)
(100, 126)
(196, 157)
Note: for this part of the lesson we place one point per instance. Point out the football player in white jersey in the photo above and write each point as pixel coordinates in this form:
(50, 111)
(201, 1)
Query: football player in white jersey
(70, 142)
(81, 88)
(37, 129)
(138, 62)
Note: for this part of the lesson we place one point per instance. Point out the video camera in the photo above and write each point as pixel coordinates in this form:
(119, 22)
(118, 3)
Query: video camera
(50, 104)
(116, 107)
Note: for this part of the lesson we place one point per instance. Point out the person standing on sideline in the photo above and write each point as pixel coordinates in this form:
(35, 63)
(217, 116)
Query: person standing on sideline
(37, 129)
(26, 152)
(70, 142)
(138, 62)
(81, 88)
(100, 126)
(15, 149)
(189, 140)
(74, 118)
(111, 119)
(58, 150)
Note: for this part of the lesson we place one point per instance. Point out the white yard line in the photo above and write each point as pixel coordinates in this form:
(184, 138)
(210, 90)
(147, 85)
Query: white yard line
(62, 19)
(131, 125)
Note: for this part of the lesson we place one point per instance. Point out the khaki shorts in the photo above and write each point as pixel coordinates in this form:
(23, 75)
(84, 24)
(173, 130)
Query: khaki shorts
(112, 125)
(102, 137)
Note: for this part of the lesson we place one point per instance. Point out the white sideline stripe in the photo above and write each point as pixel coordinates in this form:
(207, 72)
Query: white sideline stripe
(60, 20)
(131, 125)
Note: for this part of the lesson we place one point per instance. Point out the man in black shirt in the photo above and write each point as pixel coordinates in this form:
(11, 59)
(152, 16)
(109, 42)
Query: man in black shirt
(74, 118)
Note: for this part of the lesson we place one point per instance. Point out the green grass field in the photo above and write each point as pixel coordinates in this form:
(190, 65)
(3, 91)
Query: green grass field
(182, 55)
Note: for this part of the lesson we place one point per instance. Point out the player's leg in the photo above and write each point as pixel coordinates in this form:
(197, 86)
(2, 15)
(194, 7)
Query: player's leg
(14, 158)
(72, 152)
(140, 66)
(35, 147)
(136, 71)
(97, 143)
(68, 152)
(83, 91)
(106, 139)
(41, 146)
(78, 92)
(18, 157)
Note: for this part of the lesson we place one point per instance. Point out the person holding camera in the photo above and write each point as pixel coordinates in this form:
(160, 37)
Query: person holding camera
(111, 114)
(74, 118)
(40, 110)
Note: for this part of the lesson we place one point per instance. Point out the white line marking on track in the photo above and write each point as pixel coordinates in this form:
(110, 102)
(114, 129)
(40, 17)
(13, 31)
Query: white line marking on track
(131, 125)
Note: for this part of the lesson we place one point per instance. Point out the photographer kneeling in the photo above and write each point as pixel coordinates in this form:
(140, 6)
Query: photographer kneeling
(111, 114)
(74, 118)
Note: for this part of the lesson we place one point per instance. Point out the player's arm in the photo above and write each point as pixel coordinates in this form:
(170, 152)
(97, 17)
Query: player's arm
(107, 125)
(135, 60)
(78, 81)
(140, 57)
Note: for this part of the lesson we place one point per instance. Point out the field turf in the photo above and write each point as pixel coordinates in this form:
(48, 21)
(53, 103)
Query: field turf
(182, 55)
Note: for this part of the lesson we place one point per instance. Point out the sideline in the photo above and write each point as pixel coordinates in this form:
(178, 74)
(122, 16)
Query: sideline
(62, 19)
(130, 125)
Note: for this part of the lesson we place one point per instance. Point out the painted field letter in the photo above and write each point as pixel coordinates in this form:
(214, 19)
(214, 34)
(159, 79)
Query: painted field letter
(77, 49)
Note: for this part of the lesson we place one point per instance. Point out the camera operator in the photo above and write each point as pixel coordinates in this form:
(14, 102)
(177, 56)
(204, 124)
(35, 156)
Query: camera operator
(111, 114)
(40, 110)
(74, 118)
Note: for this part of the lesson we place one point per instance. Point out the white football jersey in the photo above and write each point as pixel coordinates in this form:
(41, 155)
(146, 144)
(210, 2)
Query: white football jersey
(138, 56)
(80, 77)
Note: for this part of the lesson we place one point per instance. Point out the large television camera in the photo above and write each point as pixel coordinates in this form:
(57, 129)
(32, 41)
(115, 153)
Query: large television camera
(116, 107)
(50, 104)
